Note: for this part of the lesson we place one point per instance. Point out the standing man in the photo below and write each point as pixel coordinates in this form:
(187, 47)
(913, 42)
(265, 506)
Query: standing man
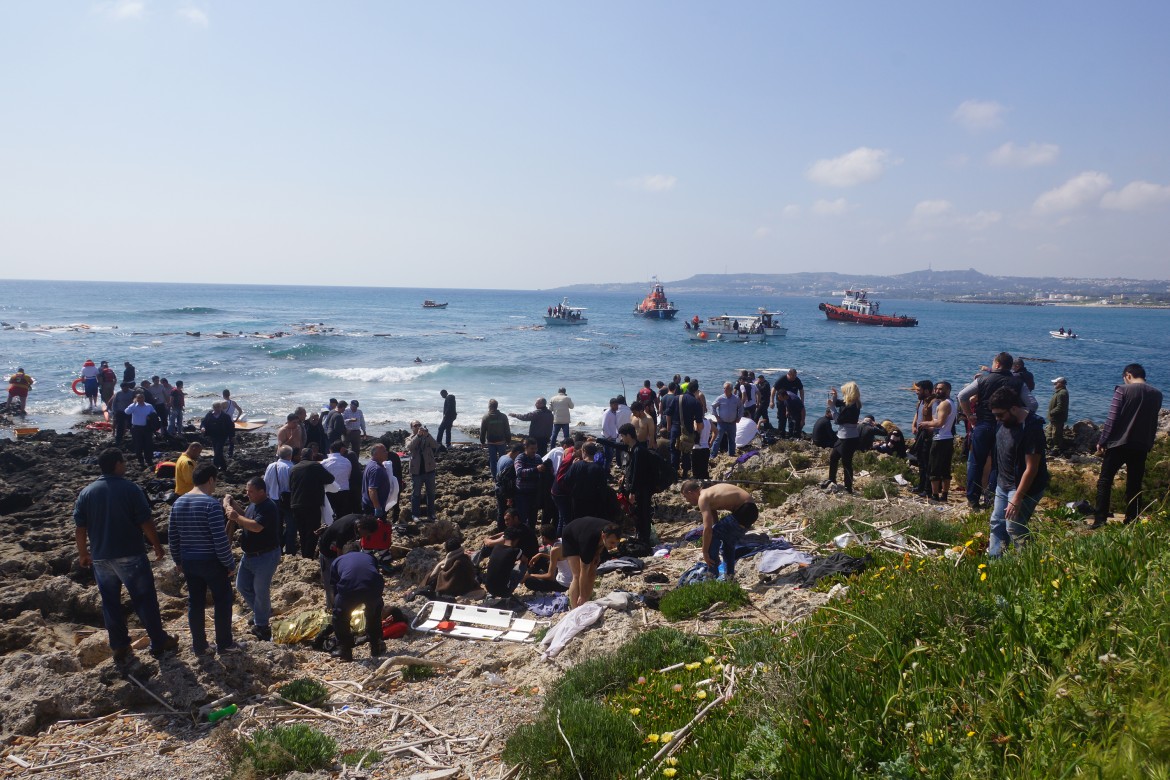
(540, 425)
(219, 428)
(560, 404)
(422, 449)
(355, 426)
(107, 382)
(336, 463)
(494, 433)
(291, 434)
(306, 485)
(644, 424)
(128, 372)
(1022, 471)
(690, 418)
(334, 424)
(379, 487)
(450, 412)
(200, 547)
(89, 376)
(234, 412)
(649, 401)
(117, 411)
(980, 466)
(1126, 439)
(276, 485)
(111, 517)
(185, 466)
(763, 401)
(923, 433)
(178, 403)
(529, 466)
(638, 483)
(1057, 415)
(942, 445)
(141, 431)
(156, 395)
(609, 431)
(728, 409)
(721, 535)
(260, 541)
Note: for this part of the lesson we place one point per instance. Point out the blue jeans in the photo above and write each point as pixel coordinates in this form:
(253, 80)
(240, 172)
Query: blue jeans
(203, 576)
(725, 537)
(254, 582)
(982, 446)
(495, 452)
(133, 572)
(726, 433)
(175, 422)
(1006, 532)
(417, 481)
(564, 427)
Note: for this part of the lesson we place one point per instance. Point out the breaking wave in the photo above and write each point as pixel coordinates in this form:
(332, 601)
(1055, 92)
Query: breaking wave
(389, 374)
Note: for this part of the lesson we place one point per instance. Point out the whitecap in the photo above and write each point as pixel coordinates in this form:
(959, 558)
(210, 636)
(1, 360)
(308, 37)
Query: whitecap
(391, 374)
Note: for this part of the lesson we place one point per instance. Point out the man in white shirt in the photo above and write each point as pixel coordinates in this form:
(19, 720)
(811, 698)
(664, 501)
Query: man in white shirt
(609, 430)
(339, 466)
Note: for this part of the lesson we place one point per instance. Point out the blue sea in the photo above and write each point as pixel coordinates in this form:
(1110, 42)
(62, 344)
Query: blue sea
(492, 344)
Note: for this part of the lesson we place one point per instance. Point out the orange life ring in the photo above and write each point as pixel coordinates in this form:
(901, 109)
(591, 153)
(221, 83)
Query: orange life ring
(76, 382)
(702, 334)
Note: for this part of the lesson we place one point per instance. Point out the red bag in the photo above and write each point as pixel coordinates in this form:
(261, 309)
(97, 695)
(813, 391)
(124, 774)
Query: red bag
(393, 629)
(380, 539)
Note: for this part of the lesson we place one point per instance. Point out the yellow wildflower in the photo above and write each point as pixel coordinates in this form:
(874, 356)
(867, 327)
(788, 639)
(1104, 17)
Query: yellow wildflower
(1056, 584)
(667, 736)
(670, 771)
(970, 733)
(709, 660)
(983, 576)
(701, 695)
(672, 761)
(651, 737)
(635, 711)
(983, 566)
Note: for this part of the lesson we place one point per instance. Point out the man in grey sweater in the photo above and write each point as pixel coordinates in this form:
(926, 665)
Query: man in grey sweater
(1126, 439)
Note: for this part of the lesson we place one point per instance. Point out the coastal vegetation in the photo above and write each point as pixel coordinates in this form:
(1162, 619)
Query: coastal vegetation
(1048, 662)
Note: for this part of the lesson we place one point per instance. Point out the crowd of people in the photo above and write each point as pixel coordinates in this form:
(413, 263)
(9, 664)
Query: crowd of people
(561, 494)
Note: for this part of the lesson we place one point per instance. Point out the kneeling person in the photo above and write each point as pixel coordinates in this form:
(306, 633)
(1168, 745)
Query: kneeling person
(721, 534)
(356, 582)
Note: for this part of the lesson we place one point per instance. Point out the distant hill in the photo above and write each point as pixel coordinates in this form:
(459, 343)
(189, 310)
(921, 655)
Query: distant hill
(916, 284)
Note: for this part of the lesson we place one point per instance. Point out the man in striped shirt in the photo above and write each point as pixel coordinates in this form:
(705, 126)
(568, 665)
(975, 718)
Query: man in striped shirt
(200, 547)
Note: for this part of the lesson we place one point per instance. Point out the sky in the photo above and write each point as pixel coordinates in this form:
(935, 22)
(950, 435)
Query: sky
(524, 145)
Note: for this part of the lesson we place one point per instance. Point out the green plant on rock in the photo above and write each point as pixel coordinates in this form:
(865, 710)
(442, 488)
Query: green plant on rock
(416, 672)
(363, 757)
(304, 690)
(282, 749)
(689, 600)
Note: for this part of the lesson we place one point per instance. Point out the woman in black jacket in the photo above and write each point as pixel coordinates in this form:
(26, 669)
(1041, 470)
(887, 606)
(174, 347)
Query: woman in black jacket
(846, 413)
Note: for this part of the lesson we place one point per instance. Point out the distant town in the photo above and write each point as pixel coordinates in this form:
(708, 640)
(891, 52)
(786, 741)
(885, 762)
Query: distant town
(968, 286)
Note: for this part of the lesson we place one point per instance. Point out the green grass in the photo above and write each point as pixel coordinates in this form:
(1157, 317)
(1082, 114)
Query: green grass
(879, 465)
(364, 757)
(282, 749)
(415, 672)
(824, 525)
(304, 690)
(689, 600)
(1050, 662)
(786, 485)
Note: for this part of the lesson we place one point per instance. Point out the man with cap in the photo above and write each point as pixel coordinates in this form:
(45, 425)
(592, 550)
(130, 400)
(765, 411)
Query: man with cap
(1057, 414)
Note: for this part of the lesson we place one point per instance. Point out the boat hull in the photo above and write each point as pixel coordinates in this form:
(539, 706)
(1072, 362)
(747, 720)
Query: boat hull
(556, 322)
(1058, 335)
(729, 338)
(656, 314)
(837, 314)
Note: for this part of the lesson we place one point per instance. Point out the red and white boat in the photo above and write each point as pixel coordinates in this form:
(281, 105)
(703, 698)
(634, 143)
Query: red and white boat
(655, 305)
(857, 307)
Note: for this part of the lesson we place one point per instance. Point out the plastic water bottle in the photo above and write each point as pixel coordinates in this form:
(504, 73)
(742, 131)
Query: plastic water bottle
(722, 570)
(226, 712)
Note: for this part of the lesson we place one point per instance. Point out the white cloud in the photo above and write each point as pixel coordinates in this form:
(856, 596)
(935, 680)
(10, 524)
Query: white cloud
(857, 167)
(930, 209)
(1077, 192)
(1135, 196)
(1010, 155)
(763, 231)
(651, 182)
(830, 208)
(791, 211)
(122, 9)
(979, 114)
(941, 213)
(196, 16)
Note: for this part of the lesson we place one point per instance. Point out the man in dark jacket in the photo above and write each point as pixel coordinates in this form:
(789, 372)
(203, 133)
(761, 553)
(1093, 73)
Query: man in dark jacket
(540, 425)
(218, 427)
(1126, 439)
(638, 481)
(306, 484)
(529, 467)
(449, 415)
(1057, 414)
(585, 482)
(356, 582)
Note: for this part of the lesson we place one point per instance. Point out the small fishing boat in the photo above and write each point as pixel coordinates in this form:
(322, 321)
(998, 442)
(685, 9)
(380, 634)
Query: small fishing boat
(655, 305)
(1062, 334)
(429, 304)
(763, 321)
(564, 314)
(856, 307)
(728, 337)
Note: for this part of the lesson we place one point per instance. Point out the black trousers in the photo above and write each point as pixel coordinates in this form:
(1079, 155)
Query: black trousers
(345, 603)
(922, 453)
(1134, 460)
(308, 520)
(843, 453)
(701, 462)
(143, 440)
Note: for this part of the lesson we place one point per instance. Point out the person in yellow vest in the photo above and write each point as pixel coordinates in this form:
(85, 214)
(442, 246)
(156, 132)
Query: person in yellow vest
(185, 468)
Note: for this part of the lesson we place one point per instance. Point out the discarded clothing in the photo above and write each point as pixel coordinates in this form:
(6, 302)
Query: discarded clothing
(693, 535)
(625, 565)
(700, 572)
(747, 548)
(571, 624)
(635, 548)
(776, 559)
(547, 604)
(837, 563)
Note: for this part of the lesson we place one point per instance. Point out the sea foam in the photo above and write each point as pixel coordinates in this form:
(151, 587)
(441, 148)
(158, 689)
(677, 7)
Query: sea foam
(391, 374)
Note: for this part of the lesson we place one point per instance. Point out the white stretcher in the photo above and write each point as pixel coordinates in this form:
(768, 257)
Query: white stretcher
(473, 622)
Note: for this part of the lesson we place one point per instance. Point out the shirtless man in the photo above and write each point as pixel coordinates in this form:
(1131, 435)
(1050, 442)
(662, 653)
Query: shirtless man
(291, 434)
(722, 533)
(644, 425)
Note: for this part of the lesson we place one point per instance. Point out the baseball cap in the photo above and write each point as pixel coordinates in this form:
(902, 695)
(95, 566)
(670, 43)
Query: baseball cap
(1059, 379)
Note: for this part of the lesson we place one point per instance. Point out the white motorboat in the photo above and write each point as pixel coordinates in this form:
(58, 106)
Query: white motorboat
(1057, 334)
(729, 337)
(763, 321)
(564, 314)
